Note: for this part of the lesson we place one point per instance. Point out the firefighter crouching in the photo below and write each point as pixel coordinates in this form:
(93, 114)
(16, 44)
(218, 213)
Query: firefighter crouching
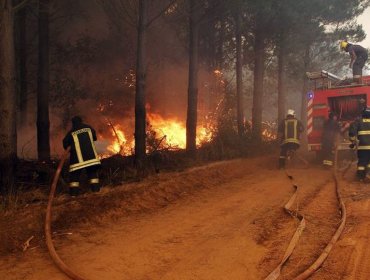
(289, 132)
(83, 155)
(359, 131)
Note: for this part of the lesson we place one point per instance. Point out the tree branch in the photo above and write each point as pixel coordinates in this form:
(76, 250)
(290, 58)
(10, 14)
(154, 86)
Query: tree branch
(160, 13)
(20, 6)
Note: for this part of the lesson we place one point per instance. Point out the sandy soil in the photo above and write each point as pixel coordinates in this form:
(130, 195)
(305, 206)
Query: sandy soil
(231, 226)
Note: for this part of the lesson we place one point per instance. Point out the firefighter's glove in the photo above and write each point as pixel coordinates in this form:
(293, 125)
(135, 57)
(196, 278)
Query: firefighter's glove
(352, 145)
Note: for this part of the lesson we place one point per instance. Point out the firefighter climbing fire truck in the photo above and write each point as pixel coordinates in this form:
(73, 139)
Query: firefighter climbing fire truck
(332, 94)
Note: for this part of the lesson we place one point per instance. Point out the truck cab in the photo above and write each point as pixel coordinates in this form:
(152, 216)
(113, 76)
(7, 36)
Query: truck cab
(329, 93)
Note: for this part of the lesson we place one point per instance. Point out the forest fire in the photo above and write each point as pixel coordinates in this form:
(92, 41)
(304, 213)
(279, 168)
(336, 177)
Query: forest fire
(169, 134)
(120, 145)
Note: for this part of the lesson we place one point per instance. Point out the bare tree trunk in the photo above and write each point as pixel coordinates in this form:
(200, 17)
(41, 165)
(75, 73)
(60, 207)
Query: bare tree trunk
(306, 61)
(21, 62)
(140, 111)
(306, 65)
(220, 45)
(281, 80)
(239, 75)
(8, 131)
(191, 121)
(259, 69)
(43, 123)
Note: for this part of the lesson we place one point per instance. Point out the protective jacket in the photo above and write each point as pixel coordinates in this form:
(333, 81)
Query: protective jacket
(290, 128)
(83, 153)
(360, 129)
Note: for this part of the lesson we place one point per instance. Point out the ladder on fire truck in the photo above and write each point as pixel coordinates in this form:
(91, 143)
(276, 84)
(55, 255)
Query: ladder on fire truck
(324, 79)
(327, 80)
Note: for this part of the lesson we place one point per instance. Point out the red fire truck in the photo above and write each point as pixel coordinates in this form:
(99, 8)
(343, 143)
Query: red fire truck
(331, 94)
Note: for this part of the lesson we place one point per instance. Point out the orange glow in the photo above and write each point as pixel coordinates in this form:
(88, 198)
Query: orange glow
(172, 130)
(268, 135)
(119, 144)
(175, 131)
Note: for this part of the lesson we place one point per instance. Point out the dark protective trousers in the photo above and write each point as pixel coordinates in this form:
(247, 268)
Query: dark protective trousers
(363, 163)
(284, 151)
(327, 153)
(92, 175)
(358, 64)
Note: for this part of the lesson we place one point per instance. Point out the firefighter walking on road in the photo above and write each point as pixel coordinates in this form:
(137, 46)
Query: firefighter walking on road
(289, 133)
(83, 155)
(358, 59)
(359, 131)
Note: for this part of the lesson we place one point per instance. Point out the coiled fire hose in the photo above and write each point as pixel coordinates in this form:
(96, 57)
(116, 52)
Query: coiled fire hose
(49, 241)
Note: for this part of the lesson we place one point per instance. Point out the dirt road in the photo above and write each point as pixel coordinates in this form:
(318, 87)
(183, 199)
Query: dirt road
(231, 230)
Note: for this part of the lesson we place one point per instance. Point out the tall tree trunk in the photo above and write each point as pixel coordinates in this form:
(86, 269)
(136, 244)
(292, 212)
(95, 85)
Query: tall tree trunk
(220, 45)
(140, 111)
(8, 131)
(191, 121)
(43, 123)
(306, 61)
(21, 63)
(259, 69)
(239, 75)
(281, 80)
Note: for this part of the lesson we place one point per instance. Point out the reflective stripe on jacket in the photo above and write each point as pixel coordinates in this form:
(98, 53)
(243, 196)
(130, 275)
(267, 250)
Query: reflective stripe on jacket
(291, 129)
(83, 152)
(360, 129)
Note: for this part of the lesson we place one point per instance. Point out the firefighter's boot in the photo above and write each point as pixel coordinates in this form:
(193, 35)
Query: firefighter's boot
(361, 173)
(94, 185)
(281, 162)
(74, 188)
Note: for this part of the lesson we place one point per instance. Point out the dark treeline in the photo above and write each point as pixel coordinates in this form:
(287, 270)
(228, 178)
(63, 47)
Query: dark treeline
(120, 55)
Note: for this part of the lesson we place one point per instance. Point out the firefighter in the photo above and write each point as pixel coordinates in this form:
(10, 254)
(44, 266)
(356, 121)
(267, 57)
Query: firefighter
(358, 59)
(83, 155)
(289, 132)
(359, 131)
(330, 132)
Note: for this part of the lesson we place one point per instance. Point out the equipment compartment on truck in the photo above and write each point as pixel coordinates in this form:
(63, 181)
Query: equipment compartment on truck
(332, 94)
(347, 108)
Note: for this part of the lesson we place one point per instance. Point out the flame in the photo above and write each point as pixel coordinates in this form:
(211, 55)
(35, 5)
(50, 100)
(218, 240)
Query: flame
(268, 135)
(120, 144)
(269, 131)
(172, 131)
(175, 131)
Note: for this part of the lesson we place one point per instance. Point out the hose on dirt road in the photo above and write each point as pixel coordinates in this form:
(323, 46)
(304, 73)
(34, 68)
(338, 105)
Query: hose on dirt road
(297, 234)
(325, 253)
(275, 274)
(49, 241)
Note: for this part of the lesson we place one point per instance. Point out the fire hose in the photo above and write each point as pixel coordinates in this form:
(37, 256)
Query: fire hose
(49, 241)
(272, 276)
(293, 242)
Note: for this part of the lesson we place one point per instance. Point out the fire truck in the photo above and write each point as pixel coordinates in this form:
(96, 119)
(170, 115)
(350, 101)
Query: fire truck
(330, 93)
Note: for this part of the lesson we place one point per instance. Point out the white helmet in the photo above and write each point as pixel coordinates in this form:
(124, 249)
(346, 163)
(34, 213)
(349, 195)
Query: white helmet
(291, 112)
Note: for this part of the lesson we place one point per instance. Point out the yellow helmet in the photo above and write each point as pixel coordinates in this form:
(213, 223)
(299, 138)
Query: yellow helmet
(343, 45)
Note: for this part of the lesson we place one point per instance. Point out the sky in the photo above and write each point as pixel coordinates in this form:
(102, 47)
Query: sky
(364, 19)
